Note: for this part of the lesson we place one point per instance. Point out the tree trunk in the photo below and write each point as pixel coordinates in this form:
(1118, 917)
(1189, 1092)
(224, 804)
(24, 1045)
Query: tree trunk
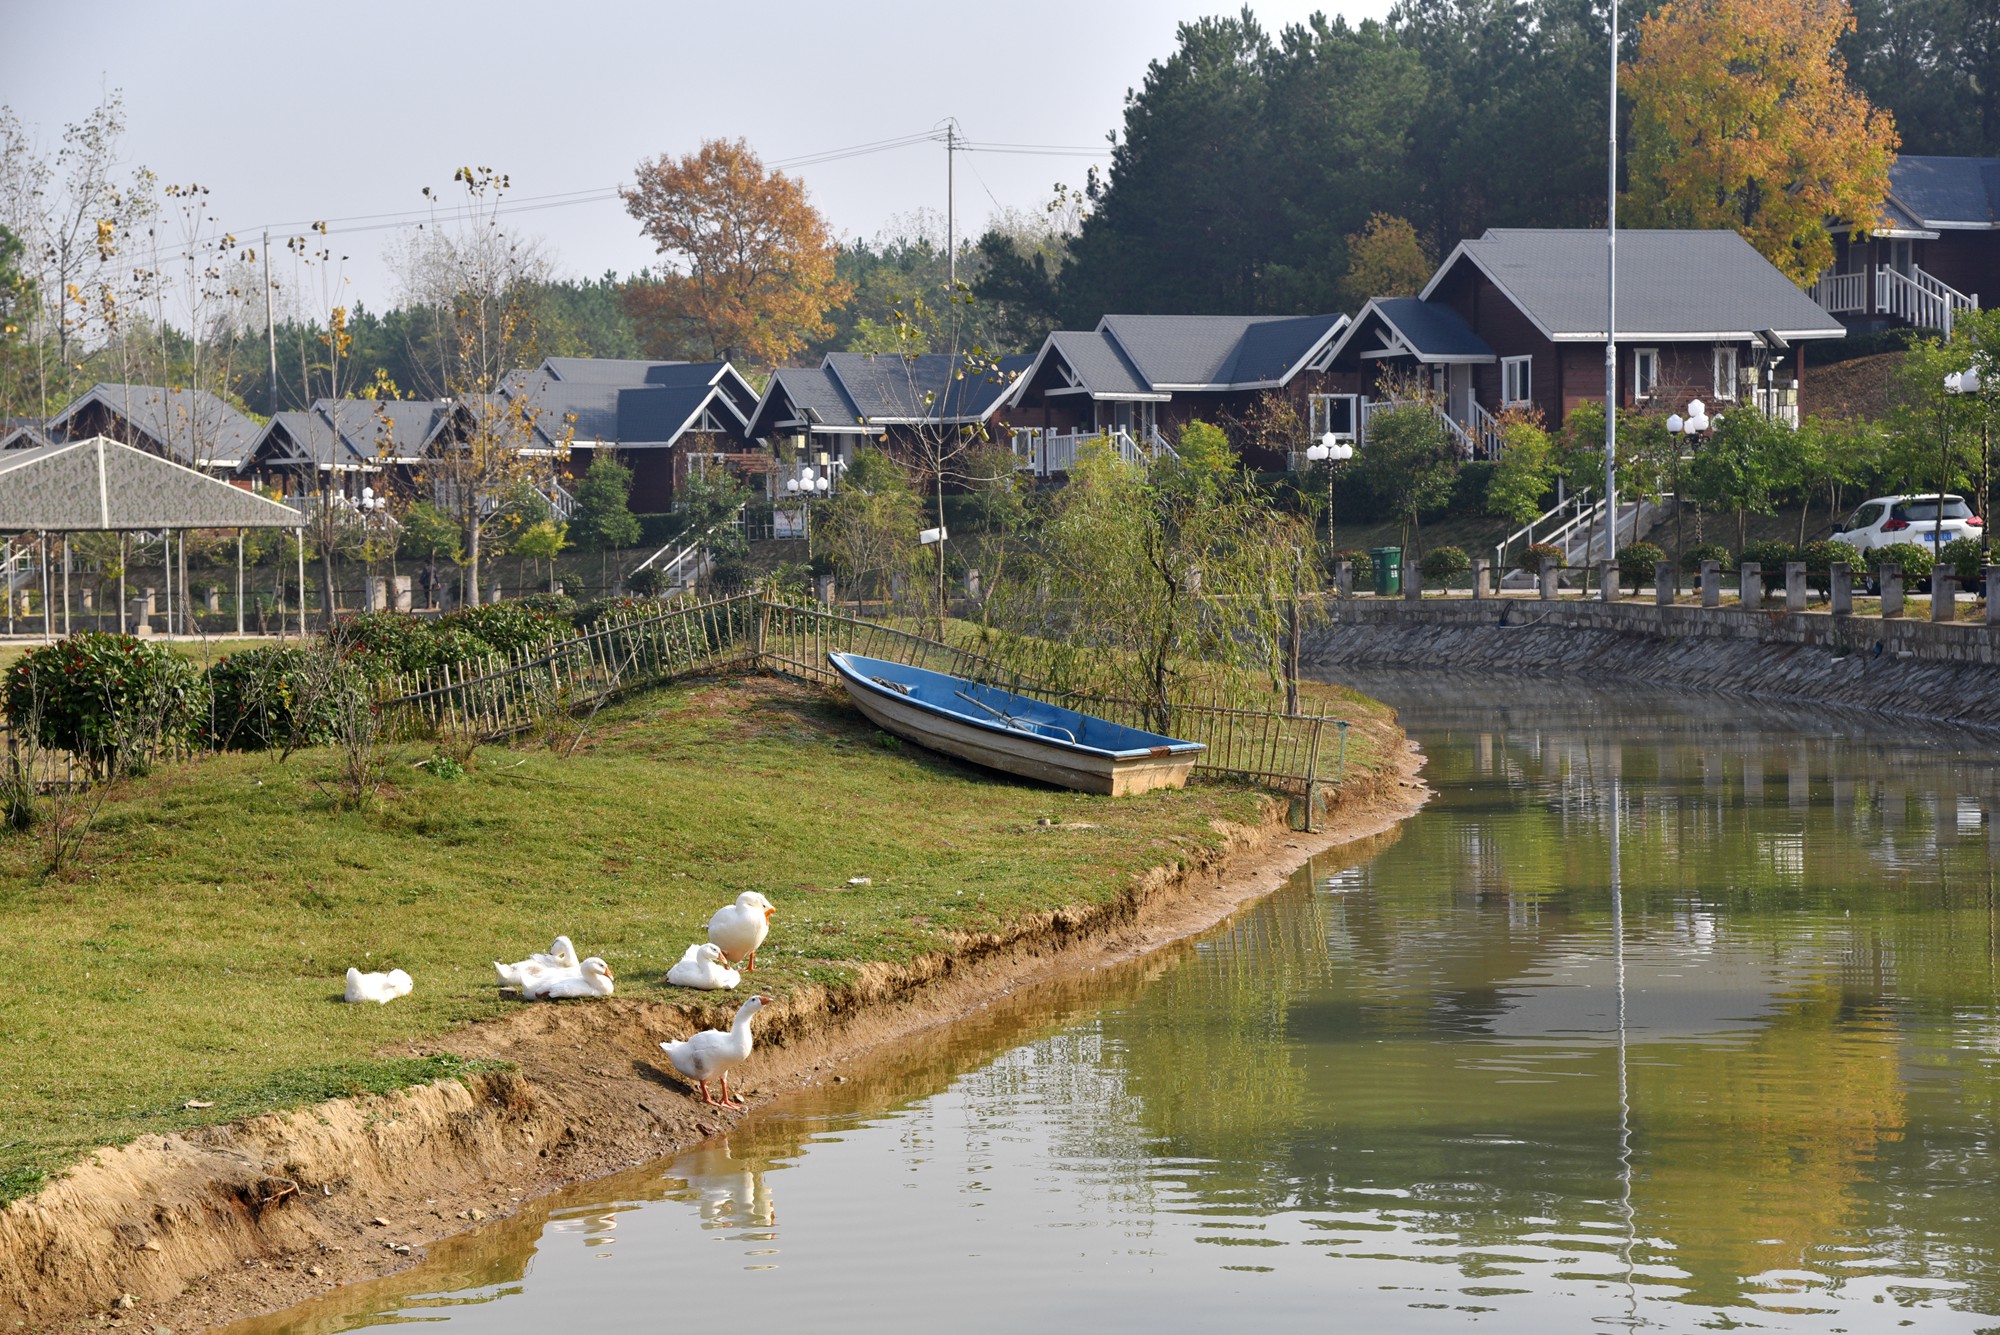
(471, 598)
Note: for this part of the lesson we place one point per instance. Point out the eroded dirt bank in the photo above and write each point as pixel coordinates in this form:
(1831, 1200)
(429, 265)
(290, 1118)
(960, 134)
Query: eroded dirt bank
(208, 1227)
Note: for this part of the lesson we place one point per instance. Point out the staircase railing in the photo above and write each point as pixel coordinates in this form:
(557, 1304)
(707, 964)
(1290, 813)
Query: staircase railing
(1922, 299)
(681, 552)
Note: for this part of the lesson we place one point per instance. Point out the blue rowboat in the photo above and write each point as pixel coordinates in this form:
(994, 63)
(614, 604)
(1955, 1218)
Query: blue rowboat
(1012, 733)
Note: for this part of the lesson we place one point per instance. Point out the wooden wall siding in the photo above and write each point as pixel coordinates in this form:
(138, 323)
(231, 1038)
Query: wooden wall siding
(1969, 261)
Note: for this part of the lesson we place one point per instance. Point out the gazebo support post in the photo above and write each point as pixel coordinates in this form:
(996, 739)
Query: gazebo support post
(239, 583)
(48, 612)
(65, 585)
(167, 575)
(187, 600)
(301, 535)
(124, 546)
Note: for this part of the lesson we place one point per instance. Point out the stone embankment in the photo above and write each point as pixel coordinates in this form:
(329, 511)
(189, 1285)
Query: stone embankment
(1940, 670)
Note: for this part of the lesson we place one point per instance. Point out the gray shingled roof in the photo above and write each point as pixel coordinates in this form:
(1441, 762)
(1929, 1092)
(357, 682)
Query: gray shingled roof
(810, 392)
(1671, 284)
(1097, 362)
(627, 402)
(1935, 192)
(101, 484)
(1238, 351)
(1433, 330)
(189, 424)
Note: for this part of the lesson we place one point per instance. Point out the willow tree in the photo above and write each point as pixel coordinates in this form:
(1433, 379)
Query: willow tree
(1742, 117)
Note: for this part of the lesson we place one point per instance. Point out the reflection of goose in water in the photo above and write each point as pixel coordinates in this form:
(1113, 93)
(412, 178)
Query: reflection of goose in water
(727, 1192)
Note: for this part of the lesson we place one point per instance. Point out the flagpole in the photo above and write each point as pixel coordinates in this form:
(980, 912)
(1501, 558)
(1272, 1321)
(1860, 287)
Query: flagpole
(1611, 315)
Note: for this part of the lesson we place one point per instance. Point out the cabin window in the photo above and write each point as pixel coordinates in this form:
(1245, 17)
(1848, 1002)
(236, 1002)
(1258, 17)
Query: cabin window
(1330, 412)
(1516, 380)
(1645, 372)
(1725, 372)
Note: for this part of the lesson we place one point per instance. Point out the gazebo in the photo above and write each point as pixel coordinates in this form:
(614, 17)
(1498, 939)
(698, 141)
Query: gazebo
(101, 485)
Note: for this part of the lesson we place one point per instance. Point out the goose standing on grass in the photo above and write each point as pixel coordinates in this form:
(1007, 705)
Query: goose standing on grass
(378, 987)
(713, 1053)
(740, 928)
(703, 967)
(558, 958)
(591, 979)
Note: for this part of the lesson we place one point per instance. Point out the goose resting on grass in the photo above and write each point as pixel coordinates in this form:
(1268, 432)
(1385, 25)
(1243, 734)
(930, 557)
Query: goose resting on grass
(592, 979)
(703, 967)
(559, 958)
(740, 928)
(378, 987)
(712, 1053)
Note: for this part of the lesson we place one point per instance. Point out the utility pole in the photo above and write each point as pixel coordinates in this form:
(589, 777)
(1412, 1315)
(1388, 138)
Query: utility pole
(270, 329)
(950, 201)
(1611, 316)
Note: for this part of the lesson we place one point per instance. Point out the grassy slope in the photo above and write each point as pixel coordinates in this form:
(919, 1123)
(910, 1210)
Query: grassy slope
(199, 953)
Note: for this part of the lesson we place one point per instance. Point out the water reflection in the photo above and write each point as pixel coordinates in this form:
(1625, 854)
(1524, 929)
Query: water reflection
(1669, 1015)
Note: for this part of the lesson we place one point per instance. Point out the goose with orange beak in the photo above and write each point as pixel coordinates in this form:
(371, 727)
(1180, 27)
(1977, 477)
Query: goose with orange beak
(741, 927)
(713, 1053)
(592, 979)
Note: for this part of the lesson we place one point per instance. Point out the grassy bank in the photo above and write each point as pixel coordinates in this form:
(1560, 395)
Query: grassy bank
(196, 954)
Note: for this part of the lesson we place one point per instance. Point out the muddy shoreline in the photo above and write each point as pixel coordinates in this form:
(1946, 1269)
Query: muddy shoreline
(181, 1233)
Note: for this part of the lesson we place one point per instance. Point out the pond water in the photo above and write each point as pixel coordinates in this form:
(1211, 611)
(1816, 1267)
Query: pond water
(1677, 1014)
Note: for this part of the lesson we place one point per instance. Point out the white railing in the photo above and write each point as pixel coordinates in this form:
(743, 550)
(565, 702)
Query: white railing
(562, 502)
(1842, 293)
(1042, 452)
(1780, 404)
(682, 560)
(1921, 299)
(1486, 432)
(1472, 442)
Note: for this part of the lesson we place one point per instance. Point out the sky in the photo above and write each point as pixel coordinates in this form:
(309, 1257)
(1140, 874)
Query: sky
(290, 112)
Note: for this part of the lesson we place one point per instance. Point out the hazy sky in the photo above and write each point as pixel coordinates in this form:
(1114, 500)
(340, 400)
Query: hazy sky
(291, 112)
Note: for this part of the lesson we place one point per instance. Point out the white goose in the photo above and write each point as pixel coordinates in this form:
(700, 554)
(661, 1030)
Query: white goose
(378, 987)
(558, 958)
(703, 967)
(712, 1053)
(592, 979)
(740, 928)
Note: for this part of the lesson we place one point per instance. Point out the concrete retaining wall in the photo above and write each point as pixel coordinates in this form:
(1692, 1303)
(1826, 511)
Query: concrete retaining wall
(1919, 668)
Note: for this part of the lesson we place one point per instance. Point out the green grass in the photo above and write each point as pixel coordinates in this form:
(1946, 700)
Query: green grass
(197, 952)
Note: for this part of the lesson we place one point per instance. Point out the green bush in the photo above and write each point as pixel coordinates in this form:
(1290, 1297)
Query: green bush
(509, 625)
(1692, 558)
(1535, 553)
(1965, 556)
(609, 611)
(113, 699)
(1636, 562)
(1444, 563)
(1770, 556)
(1821, 556)
(1364, 564)
(557, 604)
(447, 646)
(268, 697)
(380, 644)
(1914, 561)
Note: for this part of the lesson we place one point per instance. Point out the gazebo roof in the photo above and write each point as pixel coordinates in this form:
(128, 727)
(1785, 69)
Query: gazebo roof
(101, 484)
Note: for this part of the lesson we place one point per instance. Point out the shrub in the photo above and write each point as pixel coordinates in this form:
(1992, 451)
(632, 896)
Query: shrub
(556, 604)
(1965, 556)
(280, 696)
(383, 643)
(1692, 558)
(509, 625)
(113, 699)
(1821, 557)
(610, 611)
(1535, 553)
(1914, 561)
(1770, 557)
(1364, 564)
(1636, 562)
(644, 582)
(447, 645)
(1444, 563)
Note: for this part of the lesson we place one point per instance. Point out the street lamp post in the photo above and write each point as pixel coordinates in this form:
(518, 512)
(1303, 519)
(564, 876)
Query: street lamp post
(375, 509)
(805, 486)
(1330, 449)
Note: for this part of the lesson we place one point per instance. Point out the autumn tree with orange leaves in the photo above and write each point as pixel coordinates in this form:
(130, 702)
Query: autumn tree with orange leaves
(751, 262)
(1743, 118)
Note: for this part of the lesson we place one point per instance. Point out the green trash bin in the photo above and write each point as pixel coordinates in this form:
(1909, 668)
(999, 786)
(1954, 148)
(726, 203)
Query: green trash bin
(1388, 566)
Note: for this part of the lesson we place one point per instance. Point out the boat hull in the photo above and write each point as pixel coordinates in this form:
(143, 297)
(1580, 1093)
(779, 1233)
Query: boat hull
(1022, 755)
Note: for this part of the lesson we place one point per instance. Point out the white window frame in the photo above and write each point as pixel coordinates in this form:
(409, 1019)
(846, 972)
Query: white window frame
(1319, 415)
(1645, 373)
(1517, 373)
(1725, 371)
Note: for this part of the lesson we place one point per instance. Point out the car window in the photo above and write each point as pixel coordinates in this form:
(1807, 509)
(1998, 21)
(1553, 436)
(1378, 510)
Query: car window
(1864, 517)
(1926, 511)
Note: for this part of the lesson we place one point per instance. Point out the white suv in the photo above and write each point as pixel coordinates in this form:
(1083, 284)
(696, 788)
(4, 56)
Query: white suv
(1888, 520)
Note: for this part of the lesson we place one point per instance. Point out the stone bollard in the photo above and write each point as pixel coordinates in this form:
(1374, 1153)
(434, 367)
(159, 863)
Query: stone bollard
(211, 599)
(1944, 596)
(1795, 586)
(1607, 582)
(1343, 579)
(375, 593)
(400, 594)
(1840, 589)
(1551, 574)
(1749, 584)
(1664, 591)
(493, 594)
(1711, 583)
(1413, 582)
(1480, 567)
(972, 583)
(147, 601)
(825, 590)
(1891, 580)
(1992, 574)
(89, 599)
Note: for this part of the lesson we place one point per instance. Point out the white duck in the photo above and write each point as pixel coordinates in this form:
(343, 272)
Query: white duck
(712, 1053)
(592, 979)
(741, 927)
(378, 987)
(558, 958)
(703, 967)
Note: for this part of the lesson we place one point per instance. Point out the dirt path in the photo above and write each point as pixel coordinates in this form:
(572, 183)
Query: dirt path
(179, 1233)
